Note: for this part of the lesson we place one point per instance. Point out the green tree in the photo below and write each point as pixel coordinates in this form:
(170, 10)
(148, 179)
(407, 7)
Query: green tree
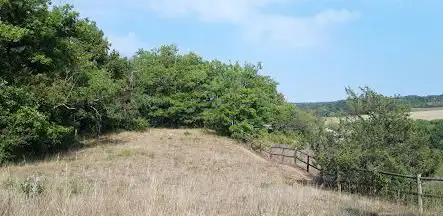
(175, 85)
(57, 69)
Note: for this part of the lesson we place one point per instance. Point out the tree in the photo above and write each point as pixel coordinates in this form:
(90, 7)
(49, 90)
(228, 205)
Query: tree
(175, 84)
(55, 69)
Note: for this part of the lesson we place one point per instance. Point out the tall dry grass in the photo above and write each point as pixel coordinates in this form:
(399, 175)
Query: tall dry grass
(170, 172)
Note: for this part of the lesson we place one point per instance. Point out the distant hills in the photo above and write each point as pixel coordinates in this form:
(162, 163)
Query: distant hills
(329, 109)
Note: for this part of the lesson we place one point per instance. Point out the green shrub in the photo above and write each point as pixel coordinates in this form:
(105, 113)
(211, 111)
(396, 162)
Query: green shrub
(32, 186)
(140, 124)
(385, 140)
(291, 139)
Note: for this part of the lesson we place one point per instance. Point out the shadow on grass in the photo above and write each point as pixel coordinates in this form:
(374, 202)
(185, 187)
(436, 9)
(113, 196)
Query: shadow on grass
(85, 142)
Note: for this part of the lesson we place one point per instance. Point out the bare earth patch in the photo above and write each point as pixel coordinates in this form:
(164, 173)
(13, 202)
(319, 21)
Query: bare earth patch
(169, 172)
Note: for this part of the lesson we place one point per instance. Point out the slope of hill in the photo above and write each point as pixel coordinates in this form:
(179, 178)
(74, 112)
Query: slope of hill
(168, 172)
(328, 109)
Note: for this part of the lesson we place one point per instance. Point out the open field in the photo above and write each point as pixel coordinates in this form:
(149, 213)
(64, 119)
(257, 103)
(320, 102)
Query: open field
(426, 109)
(170, 172)
(428, 114)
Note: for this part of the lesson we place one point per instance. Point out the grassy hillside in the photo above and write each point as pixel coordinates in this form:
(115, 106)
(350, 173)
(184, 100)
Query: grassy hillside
(169, 172)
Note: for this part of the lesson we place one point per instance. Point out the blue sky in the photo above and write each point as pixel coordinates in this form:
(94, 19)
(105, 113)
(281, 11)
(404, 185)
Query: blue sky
(312, 48)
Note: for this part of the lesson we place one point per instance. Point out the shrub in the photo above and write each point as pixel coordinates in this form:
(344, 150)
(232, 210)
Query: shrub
(386, 139)
(32, 186)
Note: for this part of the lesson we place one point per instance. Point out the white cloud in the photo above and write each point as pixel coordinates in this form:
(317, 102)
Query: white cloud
(253, 17)
(257, 25)
(233, 11)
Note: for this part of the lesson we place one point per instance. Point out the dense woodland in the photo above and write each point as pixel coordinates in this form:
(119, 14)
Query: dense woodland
(335, 108)
(59, 82)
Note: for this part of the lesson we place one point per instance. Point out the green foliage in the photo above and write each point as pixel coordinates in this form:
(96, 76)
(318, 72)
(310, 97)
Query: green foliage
(295, 140)
(435, 130)
(324, 109)
(241, 100)
(57, 78)
(386, 139)
(185, 90)
(25, 130)
(174, 85)
(32, 186)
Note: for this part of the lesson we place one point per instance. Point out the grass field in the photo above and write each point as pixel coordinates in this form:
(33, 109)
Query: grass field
(427, 114)
(170, 172)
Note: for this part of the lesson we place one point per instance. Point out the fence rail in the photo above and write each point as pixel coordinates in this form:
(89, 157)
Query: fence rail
(310, 159)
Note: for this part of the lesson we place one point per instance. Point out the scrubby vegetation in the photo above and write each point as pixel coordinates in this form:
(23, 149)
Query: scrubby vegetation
(376, 134)
(434, 129)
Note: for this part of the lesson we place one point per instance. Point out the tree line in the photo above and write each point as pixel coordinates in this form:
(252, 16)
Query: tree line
(335, 108)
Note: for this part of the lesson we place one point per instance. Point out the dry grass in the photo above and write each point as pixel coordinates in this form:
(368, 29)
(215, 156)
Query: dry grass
(170, 172)
(431, 114)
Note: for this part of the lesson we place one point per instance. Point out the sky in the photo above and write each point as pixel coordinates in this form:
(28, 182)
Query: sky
(314, 49)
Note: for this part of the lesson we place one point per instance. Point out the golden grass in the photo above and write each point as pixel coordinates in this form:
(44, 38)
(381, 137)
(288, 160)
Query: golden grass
(165, 172)
(434, 114)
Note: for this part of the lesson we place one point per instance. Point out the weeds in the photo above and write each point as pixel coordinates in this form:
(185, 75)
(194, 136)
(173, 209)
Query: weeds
(32, 186)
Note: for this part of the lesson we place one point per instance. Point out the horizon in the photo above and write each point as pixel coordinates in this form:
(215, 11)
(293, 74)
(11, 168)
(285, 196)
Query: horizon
(343, 99)
(313, 49)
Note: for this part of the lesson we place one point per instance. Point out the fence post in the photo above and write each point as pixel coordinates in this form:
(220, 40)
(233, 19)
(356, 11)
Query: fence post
(338, 180)
(419, 195)
(282, 155)
(260, 147)
(307, 165)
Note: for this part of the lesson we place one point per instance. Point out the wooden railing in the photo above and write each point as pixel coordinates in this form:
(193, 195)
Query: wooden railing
(293, 154)
(283, 150)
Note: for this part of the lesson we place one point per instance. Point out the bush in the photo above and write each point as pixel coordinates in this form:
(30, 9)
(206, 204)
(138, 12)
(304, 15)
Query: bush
(139, 124)
(25, 131)
(32, 186)
(242, 131)
(386, 139)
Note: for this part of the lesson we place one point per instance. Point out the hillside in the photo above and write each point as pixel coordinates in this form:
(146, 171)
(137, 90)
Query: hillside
(170, 172)
(328, 109)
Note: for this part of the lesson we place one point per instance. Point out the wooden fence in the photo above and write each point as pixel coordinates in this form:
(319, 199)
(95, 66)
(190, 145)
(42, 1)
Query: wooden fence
(283, 152)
